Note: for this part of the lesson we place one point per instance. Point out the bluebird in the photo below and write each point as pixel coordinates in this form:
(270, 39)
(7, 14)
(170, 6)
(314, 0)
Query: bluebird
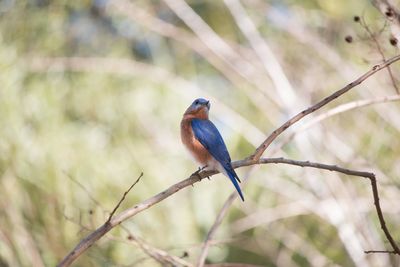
(205, 143)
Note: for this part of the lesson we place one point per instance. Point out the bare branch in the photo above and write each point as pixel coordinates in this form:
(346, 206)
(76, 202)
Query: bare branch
(338, 110)
(260, 150)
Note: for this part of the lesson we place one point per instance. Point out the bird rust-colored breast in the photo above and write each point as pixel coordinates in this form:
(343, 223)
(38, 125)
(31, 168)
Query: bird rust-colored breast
(201, 113)
(192, 144)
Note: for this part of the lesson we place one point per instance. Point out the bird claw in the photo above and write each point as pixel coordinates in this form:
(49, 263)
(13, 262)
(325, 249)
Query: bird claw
(202, 168)
(197, 173)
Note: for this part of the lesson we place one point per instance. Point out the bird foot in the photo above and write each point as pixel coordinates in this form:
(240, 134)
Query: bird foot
(197, 173)
(202, 168)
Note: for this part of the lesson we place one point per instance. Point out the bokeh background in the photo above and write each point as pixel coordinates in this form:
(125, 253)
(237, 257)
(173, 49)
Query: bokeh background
(92, 93)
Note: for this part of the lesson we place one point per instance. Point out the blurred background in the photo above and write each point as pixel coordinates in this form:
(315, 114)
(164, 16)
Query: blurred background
(92, 94)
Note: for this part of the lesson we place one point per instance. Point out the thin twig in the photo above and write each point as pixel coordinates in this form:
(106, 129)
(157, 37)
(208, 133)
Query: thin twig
(338, 110)
(380, 50)
(260, 150)
(123, 197)
(380, 251)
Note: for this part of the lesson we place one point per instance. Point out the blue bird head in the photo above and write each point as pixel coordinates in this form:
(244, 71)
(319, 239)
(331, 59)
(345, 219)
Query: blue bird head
(198, 105)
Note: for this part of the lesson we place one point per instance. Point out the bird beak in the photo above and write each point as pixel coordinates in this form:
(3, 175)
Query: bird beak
(208, 104)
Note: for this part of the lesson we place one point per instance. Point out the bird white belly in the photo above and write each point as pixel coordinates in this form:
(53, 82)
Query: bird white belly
(214, 165)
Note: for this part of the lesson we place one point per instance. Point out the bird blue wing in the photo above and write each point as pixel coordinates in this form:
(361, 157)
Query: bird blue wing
(208, 135)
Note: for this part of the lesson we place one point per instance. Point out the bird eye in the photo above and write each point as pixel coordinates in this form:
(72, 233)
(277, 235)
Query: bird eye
(196, 102)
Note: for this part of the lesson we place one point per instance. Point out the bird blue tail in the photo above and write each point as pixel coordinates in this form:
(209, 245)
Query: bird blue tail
(233, 176)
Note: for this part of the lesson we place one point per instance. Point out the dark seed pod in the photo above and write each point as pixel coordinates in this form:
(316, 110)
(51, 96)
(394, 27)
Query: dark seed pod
(348, 39)
(393, 41)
